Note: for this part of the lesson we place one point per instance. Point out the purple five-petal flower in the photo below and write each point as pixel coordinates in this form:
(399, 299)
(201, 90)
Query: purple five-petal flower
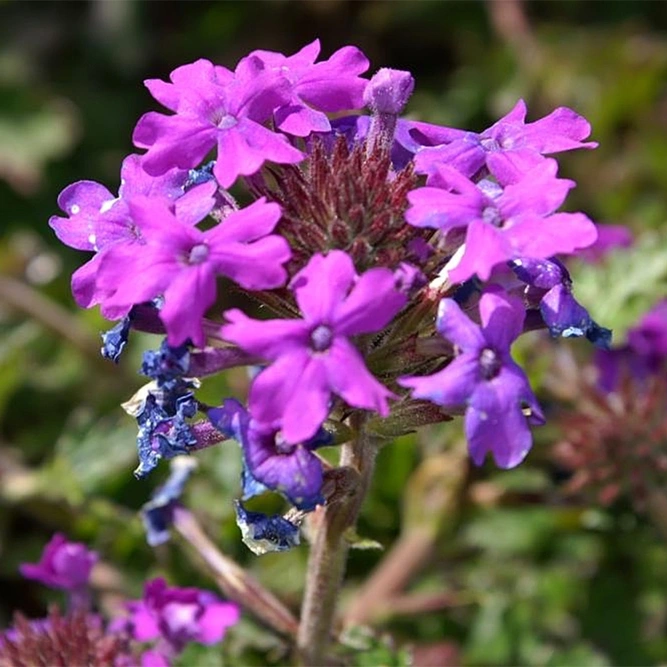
(97, 220)
(181, 262)
(501, 223)
(313, 357)
(331, 85)
(511, 147)
(215, 108)
(178, 616)
(484, 379)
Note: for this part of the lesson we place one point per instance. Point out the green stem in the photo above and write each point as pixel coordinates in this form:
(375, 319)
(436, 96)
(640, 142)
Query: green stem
(328, 555)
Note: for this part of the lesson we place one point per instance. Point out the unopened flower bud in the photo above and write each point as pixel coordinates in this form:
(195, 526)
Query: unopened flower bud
(388, 91)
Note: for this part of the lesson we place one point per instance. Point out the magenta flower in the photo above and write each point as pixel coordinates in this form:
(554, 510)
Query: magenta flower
(178, 616)
(181, 263)
(502, 224)
(331, 85)
(313, 357)
(63, 564)
(484, 379)
(97, 220)
(511, 147)
(215, 108)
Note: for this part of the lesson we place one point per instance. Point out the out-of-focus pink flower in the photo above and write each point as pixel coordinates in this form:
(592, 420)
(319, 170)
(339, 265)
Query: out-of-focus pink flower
(63, 564)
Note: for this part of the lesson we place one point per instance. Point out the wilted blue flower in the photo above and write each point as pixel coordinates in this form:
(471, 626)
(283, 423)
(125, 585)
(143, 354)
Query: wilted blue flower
(265, 534)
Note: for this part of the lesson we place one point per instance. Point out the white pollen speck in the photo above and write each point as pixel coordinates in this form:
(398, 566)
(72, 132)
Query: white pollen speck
(92, 239)
(74, 209)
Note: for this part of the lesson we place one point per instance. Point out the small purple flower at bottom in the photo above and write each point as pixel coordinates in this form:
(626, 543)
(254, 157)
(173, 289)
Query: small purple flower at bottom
(313, 357)
(63, 564)
(178, 616)
(484, 378)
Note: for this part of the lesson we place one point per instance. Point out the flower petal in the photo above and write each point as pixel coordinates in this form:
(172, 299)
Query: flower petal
(349, 378)
(322, 284)
(502, 318)
(266, 338)
(454, 325)
(495, 421)
(371, 304)
(450, 387)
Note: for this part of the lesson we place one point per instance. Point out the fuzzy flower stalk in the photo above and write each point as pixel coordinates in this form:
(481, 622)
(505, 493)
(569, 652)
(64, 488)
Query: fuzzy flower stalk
(381, 267)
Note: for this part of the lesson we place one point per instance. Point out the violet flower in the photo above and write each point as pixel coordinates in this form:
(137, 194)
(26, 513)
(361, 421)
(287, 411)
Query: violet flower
(610, 237)
(178, 616)
(313, 357)
(65, 565)
(291, 469)
(484, 379)
(649, 337)
(215, 108)
(501, 224)
(181, 263)
(331, 85)
(98, 221)
(549, 285)
(511, 147)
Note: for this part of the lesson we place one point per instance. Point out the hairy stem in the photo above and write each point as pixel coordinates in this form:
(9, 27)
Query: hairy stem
(328, 555)
(234, 581)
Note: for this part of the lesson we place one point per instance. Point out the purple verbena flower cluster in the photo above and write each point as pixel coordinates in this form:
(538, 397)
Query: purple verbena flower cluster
(168, 618)
(395, 262)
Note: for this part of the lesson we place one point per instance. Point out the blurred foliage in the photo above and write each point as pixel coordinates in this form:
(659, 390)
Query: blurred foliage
(516, 573)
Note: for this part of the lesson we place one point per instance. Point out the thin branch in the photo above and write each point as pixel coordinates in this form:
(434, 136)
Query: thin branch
(234, 581)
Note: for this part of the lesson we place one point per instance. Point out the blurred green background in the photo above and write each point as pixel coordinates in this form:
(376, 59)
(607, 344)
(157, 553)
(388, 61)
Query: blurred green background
(512, 570)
